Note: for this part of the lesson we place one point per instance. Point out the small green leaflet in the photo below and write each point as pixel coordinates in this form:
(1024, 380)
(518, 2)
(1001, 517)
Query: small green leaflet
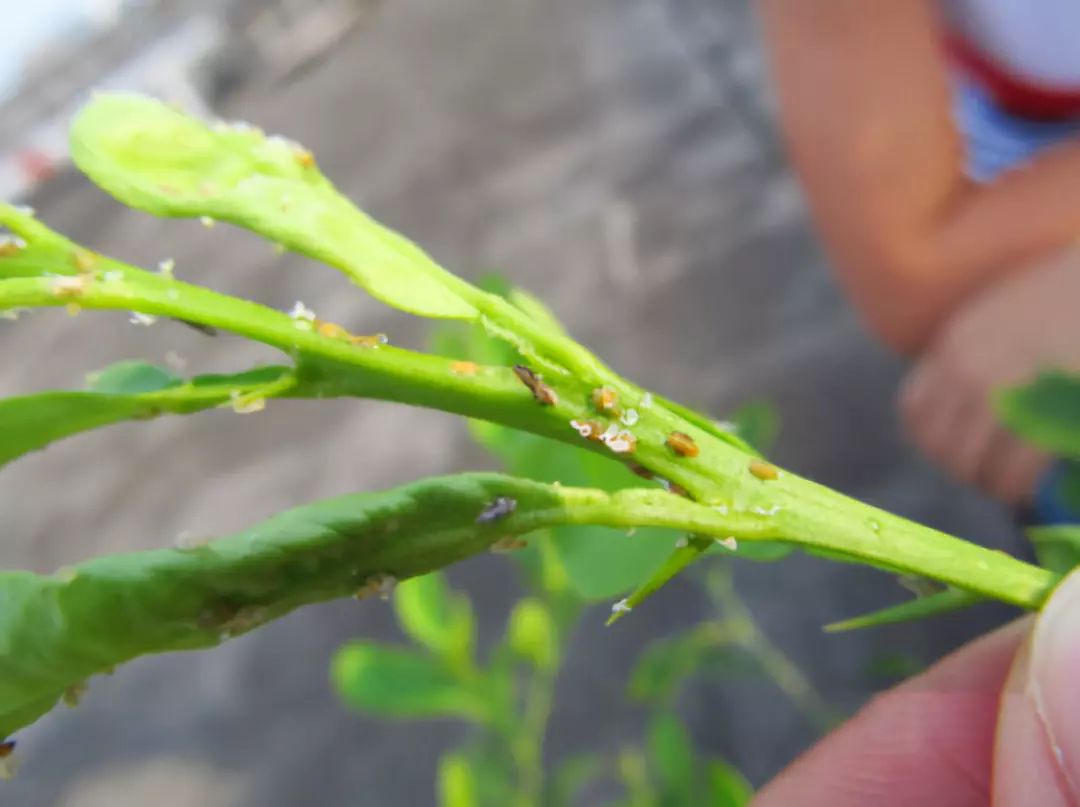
(124, 391)
(58, 630)
(401, 683)
(951, 599)
(155, 158)
(457, 782)
(1045, 412)
(1057, 547)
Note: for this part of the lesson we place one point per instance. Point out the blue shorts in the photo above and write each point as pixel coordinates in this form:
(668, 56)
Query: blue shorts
(996, 142)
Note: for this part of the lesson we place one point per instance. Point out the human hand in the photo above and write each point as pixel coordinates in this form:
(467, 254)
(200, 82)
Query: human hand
(997, 722)
(1002, 338)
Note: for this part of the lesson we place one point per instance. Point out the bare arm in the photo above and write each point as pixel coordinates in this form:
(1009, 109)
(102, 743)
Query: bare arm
(867, 112)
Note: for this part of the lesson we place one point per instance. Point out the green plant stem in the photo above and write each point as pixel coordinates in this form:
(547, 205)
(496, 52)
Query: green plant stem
(633, 770)
(528, 743)
(803, 513)
(530, 731)
(745, 632)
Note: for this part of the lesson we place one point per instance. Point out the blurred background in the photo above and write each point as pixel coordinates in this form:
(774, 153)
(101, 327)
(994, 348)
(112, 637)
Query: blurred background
(619, 159)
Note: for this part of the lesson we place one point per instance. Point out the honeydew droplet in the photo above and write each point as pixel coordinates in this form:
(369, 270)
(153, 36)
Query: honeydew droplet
(302, 312)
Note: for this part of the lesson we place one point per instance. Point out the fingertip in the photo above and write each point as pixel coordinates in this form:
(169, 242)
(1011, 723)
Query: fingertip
(928, 741)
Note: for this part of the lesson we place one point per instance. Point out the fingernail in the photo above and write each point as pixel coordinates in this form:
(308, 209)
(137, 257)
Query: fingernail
(1055, 676)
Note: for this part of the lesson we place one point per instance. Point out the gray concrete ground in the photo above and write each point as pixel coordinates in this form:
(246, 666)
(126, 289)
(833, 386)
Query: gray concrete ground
(615, 157)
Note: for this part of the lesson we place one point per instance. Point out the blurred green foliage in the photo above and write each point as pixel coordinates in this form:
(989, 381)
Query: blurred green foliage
(1046, 413)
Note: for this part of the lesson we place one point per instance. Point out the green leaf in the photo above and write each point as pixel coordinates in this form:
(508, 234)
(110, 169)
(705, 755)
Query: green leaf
(676, 561)
(38, 249)
(758, 424)
(457, 782)
(423, 609)
(532, 634)
(634, 772)
(672, 757)
(132, 378)
(951, 599)
(1045, 412)
(58, 630)
(155, 158)
(494, 770)
(536, 310)
(394, 682)
(603, 563)
(570, 777)
(1057, 547)
(758, 551)
(127, 391)
(727, 787)
(665, 664)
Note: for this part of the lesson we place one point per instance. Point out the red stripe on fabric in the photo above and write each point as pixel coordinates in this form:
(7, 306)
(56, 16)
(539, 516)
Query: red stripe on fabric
(1016, 95)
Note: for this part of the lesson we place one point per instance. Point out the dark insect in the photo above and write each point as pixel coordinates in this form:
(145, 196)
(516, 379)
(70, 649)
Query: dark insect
(640, 470)
(205, 330)
(6, 748)
(541, 391)
(682, 444)
(677, 489)
(497, 510)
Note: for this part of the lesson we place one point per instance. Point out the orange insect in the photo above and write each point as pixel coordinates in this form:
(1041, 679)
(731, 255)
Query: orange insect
(331, 330)
(541, 391)
(6, 748)
(763, 470)
(682, 444)
(673, 487)
(605, 399)
(369, 341)
(464, 368)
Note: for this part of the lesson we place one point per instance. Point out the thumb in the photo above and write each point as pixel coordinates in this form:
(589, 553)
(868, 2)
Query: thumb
(1037, 753)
